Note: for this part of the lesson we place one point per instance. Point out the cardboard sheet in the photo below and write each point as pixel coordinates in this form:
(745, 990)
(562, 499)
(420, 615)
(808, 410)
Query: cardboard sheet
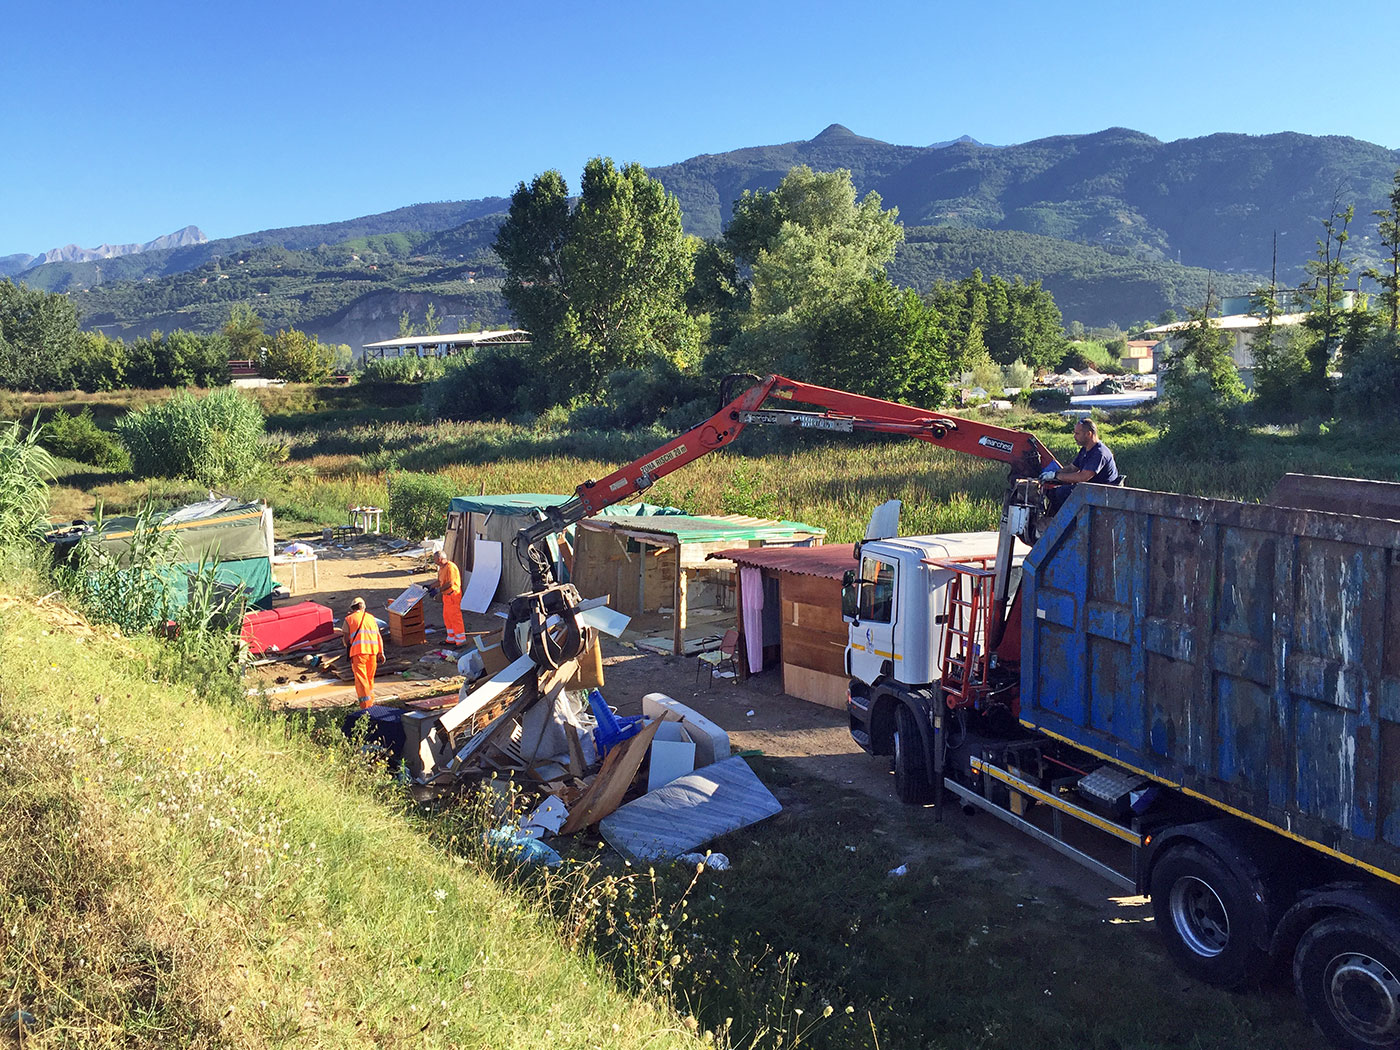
(689, 812)
(484, 578)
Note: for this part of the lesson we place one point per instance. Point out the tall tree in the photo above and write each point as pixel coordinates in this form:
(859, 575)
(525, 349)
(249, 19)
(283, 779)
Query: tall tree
(245, 334)
(603, 286)
(1389, 278)
(1200, 385)
(809, 240)
(1325, 296)
(39, 343)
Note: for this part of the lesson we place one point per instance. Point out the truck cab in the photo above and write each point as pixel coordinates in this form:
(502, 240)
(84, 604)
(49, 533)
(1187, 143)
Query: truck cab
(894, 602)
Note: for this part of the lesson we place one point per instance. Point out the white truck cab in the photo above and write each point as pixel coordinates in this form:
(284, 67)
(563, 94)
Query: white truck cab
(895, 606)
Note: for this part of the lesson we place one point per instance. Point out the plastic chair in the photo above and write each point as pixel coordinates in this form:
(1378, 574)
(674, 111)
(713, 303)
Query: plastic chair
(611, 730)
(716, 658)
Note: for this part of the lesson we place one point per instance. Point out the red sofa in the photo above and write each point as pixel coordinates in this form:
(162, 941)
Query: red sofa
(295, 627)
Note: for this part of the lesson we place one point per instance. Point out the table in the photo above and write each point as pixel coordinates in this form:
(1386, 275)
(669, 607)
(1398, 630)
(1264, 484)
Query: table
(363, 517)
(295, 561)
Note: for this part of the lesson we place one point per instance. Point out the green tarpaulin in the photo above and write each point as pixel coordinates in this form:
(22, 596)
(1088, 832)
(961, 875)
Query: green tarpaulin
(236, 535)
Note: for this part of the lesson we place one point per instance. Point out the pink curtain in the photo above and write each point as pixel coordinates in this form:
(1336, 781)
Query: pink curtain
(751, 587)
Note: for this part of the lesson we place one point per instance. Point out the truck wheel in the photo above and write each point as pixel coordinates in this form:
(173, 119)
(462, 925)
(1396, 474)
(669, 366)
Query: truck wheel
(1205, 913)
(911, 780)
(1347, 972)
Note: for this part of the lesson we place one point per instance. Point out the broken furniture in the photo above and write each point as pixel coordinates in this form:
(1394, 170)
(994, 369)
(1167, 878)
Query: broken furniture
(291, 628)
(361, 518)
(406, 623)
(296, 561)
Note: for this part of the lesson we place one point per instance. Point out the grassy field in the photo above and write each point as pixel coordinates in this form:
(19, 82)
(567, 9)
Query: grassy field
(134, 814)
(340, 446)
(175, 872)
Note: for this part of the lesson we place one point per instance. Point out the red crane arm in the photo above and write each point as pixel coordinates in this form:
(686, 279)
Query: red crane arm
(842, 411)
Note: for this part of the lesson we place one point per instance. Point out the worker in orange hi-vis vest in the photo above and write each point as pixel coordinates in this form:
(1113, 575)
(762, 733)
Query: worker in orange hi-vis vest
(366, 647)
(449, 586)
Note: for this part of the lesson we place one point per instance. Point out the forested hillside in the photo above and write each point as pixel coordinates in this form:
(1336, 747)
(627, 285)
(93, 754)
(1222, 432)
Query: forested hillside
(1101, 219)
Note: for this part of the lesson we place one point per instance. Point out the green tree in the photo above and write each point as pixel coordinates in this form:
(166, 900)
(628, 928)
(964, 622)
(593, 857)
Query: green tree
(1280, 359)
(809, 241)
(432, 323)
(1325, 295)
(1000, 321)
(1389, 278)
(39, 346)
(297, 357)
(1200, 386)
(601, 287)
(244, 332)
(102, 362)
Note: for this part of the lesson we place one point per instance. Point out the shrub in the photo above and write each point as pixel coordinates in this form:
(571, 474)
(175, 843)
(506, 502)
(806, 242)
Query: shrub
(25, 472)
(80, 438)
(403, 370)
(1371, 383)
(213, 440)
(1091, 354)
(497, 383)
(297, 357)
(102, 362)
(418, 503)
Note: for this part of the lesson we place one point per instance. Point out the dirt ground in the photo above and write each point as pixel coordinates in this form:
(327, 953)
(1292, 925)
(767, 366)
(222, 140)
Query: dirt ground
(811, 741)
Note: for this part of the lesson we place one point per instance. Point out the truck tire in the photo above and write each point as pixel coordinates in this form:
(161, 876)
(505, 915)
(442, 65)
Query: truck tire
(1206, 913)
(911, 776)
(1347, 973)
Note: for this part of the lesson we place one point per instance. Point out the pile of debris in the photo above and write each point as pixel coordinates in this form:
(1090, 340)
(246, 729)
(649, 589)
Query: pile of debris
(657, 785)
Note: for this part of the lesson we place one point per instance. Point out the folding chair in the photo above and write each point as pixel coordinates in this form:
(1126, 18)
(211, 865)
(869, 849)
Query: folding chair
(716, 658)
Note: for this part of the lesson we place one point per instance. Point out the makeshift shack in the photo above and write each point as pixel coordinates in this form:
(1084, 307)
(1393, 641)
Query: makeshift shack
(802, 585)
(656, 570)
(801, 591)
(477, 524)
(237, 535)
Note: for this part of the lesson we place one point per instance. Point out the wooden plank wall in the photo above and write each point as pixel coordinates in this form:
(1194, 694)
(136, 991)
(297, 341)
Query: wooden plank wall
(813, 639)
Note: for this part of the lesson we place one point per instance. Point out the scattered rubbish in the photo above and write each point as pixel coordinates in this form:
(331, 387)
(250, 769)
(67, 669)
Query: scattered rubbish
(432, 655)
(298, 549)
(19, 1021)
(689, 811)
(712, 861)
(672, 755)
(412, 552)
(605, 794)
(899, 872)
(611, 730)
(711, 742)
(548, 816)
(516, 844)
(748, 714)
(470, 665)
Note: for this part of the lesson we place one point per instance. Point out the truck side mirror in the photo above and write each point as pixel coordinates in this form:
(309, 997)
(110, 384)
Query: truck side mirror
(850, 595)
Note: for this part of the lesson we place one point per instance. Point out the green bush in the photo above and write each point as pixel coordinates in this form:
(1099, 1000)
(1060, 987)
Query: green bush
(213, 440)
(1092, 354)
(403, 370)
(498, 383)
(102, 363)
(80, 438)
(1370, 385)
(418, 504)
(178, 359)
(297, 357)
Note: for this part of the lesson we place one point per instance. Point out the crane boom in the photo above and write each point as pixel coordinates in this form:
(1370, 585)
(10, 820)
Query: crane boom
(544, 623)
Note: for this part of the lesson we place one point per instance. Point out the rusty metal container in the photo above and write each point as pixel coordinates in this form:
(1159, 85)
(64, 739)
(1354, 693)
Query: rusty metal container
(1248, 654)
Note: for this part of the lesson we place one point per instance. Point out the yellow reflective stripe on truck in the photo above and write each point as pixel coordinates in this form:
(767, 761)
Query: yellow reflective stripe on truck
(1025, 788)
(877, 652)
(1338, 854)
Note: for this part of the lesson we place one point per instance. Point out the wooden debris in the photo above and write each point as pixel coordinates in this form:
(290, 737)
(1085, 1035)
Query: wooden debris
(607, 791)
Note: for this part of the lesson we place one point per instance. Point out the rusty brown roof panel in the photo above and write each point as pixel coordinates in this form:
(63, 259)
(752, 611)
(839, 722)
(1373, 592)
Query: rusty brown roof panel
(829, 560)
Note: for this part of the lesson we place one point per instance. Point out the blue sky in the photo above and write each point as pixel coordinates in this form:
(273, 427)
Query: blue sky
(125, 121)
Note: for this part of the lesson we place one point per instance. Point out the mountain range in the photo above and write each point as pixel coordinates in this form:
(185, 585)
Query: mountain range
(1119, 225)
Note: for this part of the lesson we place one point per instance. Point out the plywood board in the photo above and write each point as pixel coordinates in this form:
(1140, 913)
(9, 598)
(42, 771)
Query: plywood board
(605, 793)
(485, 576)
(829, 690)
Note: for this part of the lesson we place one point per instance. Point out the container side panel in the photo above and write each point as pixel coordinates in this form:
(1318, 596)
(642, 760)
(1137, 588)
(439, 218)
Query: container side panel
(1062, 672)
(1170, 688)
(1174, 566)
(1242, 710)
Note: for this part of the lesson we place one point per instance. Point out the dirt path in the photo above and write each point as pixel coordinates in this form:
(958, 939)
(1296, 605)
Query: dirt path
(809, 741)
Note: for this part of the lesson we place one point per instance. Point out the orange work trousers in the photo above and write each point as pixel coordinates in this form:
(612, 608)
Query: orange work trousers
(452, 619)
(363, 668)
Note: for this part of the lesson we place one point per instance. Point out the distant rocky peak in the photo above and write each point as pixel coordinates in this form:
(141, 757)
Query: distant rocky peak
(72, 253)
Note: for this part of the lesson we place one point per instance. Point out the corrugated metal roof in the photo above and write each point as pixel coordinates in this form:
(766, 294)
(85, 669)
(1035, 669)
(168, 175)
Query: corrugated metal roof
(720, 528)
(828, 561)
(513, 335)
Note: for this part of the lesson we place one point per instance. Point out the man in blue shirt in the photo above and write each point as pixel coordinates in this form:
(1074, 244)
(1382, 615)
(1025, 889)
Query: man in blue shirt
(1094, 464)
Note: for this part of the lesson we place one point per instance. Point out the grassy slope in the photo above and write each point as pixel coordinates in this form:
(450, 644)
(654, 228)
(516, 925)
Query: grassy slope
(174, 873)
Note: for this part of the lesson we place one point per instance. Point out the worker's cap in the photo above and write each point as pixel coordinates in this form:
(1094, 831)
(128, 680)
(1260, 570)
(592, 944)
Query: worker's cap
(358, 603)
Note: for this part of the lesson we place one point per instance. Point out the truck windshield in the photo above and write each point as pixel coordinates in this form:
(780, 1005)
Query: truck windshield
(876, 590)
